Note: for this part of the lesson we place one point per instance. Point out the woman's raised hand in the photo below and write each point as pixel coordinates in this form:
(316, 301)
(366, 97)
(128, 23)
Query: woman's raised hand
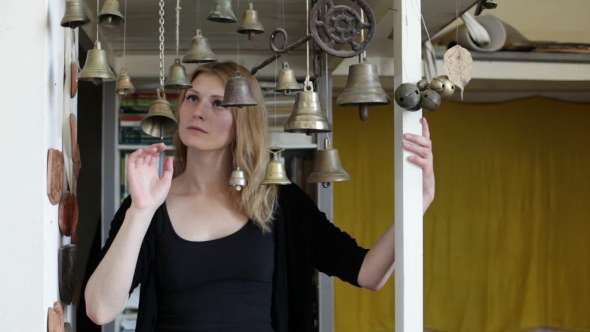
(147, 190)
(422, 146)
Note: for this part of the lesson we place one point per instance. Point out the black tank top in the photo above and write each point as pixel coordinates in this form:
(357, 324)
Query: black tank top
(218, 285)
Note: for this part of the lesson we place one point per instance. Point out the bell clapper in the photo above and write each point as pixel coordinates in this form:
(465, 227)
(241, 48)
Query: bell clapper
(326, 184)
(364, 111)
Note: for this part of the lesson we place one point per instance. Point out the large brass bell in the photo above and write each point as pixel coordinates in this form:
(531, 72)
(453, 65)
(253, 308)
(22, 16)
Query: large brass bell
(238, 179)
(238, 93)
(199, 50)
(74, 16)
(275, 169)
(449, 87)
(327, 166)
(429, 100)
(110, 16)
(96, 68)
(124, 85)
(159, 121)
(177, 77)
(363, 89)
(222, 12)
(407, 96)
(287, 81)
(251, 24)
(307, 116)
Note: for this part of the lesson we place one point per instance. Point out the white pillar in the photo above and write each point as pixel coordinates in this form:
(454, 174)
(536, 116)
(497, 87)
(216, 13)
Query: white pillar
(408, 177)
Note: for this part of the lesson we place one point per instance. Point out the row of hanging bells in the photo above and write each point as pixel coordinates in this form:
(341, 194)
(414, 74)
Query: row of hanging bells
(109, 16)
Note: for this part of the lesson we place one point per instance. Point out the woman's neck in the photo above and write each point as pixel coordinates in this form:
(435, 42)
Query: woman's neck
(206, 172)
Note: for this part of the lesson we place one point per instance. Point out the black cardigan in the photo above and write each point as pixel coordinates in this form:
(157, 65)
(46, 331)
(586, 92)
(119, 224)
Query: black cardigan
(304, 239)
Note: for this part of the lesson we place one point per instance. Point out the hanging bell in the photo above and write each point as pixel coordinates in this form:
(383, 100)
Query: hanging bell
(238, 93)
(238, 179)
(159, 121)
(437, 85)
(449, 87)
(407, 96)
(96, 68)
(222, 12)
(429, 100)
(199, 50)
(307, 116)
(124, 85)
(74, 16)
(275, 169)
(422, 85)
(287, 81)
(251, 24)
(177, 77)
(327, 166)
(363, 89)
(110, 16)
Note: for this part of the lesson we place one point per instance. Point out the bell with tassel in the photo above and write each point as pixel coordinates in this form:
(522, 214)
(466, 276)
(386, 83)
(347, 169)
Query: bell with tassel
(327, 167)
(159, 121)
(96, 68)
(287, 81)
(199, 50)
(177, 77)
(124, 85)
(307, 116)
(74, 16)
(275, 169)
(238, 93)
(251, 24)
(363, 89)
(110, 16)
(238, 179)
(222, 12)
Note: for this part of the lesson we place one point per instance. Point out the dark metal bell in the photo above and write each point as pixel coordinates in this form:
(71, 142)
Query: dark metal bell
(422, 85)
(429, 100)
(74, 16)
(363, 89)
(238, 179)
(328, 167)
(251, 24)
(287, 81)
(407, 96)
(110, 16)
(238, 93)
(177, 77)
(222, 12)
(124, 85)
(97, 67)
(159, 121)
(307, 116)
(275, 169)
(449, 87)
(200, 51)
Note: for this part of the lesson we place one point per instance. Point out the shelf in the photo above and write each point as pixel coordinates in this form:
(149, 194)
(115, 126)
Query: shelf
(125, 147)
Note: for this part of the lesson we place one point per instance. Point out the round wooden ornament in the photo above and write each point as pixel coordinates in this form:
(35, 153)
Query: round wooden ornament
(73, 79)
(55, 174)
(68, 214)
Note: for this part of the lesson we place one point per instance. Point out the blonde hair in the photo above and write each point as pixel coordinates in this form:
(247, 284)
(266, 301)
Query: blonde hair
(257, 201)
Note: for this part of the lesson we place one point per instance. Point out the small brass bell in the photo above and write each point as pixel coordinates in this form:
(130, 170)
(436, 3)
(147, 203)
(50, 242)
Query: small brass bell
(238, 93)
(159, 121)
(287, 81)
(429, 100)
(251, 24)
(363, 89)
(110, 16)
(124, 85)
(307, 116)
(449, 87)
(422, 85)
(238, 179)
(222, 12)
(74, 16)
(199, 50)
(437, 85)
(96, 68)
(407, 96)
(177, 77)
(327, 166)
(275, 169)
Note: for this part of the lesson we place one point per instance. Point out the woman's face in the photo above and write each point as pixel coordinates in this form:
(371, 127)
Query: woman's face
(203, 123)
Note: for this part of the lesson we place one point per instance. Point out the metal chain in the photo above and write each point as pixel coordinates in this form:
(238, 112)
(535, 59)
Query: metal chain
(162, 43)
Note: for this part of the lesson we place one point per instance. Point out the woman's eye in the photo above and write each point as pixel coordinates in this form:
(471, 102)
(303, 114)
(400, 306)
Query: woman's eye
(192, 98)
(217, 103)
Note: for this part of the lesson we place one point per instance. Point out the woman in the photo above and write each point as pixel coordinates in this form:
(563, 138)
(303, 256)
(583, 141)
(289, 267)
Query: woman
(212, 258)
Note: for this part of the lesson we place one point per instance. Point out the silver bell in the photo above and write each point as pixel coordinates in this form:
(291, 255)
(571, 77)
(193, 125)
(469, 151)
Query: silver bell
(238, 179)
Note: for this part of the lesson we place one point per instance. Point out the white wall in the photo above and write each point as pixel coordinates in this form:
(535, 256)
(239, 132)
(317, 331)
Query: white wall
(32, 97)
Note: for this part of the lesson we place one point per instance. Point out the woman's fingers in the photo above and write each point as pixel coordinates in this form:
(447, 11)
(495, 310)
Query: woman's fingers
(425, 129)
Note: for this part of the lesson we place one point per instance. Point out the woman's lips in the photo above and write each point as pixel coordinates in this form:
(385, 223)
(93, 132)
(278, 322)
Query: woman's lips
(197, 128)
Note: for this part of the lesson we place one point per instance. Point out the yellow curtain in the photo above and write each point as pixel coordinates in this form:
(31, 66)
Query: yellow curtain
(507, 239)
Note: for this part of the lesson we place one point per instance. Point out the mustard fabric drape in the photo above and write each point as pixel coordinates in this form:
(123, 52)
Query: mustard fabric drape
(507, 239)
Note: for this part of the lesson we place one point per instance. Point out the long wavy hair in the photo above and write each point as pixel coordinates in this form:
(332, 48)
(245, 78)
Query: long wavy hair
(251, 140)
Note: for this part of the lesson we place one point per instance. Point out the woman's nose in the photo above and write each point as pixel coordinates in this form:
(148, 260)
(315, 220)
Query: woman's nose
(199, 110)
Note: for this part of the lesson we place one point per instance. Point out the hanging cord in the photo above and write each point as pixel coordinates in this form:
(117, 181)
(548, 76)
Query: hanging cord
(162, 44)
(97, 11)
(124, 33)
(198, 12)
(238, 37)
(177, 24)
(307, 78)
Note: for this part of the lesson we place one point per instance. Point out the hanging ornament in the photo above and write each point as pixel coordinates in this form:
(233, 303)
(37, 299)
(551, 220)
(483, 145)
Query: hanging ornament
(109, 16)
(287, 81)
(275, 169)
(222, 12)
(238, 179)
(429, 100)
(307, 116)
(177, 78)
(328, 167)
(407, 95)
(124, 85)
(74, 16)
(448, 87)
(458, 64)
(251, 25)
(199, 50)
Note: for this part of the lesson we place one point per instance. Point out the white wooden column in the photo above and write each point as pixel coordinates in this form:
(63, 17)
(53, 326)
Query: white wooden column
(408, 177)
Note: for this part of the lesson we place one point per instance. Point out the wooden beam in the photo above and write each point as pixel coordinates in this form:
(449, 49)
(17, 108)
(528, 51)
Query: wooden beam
(408, 177)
